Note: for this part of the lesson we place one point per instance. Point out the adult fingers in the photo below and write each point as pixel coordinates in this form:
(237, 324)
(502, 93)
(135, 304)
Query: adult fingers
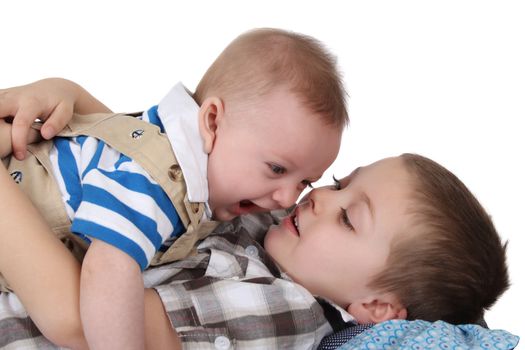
(21, 123)
(57, 120)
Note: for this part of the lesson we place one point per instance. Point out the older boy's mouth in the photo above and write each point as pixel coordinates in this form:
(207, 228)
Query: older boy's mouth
(292, 222)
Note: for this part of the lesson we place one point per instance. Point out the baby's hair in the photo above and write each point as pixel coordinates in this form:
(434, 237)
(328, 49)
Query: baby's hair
(451, 266)
(261, 60)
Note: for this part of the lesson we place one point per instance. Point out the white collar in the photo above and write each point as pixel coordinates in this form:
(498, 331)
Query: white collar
(178, 113)
(344, 314)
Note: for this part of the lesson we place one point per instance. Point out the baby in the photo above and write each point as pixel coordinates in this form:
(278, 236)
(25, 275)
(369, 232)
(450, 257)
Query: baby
(138, 189)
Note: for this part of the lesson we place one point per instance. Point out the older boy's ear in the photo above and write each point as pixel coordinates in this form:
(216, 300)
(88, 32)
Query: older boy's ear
(211, 114)
(377, 310)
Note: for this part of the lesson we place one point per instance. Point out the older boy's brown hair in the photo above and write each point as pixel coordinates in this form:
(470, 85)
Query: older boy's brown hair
(453, 265)
(263, 59)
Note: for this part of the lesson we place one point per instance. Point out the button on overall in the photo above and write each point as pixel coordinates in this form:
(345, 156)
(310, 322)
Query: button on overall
(175, 172)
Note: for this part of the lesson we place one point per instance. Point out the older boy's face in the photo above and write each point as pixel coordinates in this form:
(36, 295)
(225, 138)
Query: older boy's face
(265, 153)
(336, 240)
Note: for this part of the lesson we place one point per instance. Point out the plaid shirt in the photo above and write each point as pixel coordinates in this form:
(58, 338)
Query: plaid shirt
(232, 295)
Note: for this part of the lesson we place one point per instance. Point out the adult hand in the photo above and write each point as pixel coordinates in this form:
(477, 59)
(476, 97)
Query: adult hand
(50, 100)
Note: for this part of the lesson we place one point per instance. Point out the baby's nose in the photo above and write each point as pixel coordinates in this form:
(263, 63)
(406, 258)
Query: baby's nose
(286, 196)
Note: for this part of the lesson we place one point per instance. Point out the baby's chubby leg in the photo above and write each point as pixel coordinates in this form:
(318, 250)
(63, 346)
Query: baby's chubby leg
(38, 267)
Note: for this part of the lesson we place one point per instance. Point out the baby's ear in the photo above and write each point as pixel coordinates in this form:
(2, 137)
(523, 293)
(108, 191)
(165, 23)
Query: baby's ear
(211, 114)
(377, 309)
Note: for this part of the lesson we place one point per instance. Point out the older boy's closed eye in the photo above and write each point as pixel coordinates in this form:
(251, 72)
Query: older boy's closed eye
(335, 234)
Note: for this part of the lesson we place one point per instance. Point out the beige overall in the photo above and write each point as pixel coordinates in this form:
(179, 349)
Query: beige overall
(139, 140)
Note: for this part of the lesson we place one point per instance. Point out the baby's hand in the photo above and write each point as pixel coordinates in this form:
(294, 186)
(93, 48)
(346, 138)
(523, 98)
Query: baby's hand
(51, 100)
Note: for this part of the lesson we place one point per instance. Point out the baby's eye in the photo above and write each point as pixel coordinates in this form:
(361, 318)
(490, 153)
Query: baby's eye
(277, 169)
(307, 183)
(337, 184)
(346, 220)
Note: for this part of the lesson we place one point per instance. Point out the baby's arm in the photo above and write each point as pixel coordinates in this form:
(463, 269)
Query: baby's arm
(111, 299)
(53, 100)
(39, 268)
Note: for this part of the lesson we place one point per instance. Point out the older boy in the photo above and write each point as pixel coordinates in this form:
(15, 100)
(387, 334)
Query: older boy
(400, 238)
(246, 135)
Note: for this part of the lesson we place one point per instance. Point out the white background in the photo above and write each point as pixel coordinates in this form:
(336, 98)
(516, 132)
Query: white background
(445, 79)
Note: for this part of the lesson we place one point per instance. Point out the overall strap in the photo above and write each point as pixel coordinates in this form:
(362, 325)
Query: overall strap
(144, 143)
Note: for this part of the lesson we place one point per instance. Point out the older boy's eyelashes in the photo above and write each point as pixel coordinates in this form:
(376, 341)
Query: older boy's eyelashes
(307, 183)
(337, 183)
(346, 220)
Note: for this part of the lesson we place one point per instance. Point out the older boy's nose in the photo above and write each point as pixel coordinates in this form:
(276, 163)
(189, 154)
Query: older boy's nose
(318, 197)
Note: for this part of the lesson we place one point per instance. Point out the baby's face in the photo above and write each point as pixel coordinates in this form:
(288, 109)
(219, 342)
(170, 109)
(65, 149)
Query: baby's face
(339, 236)
(265, 153)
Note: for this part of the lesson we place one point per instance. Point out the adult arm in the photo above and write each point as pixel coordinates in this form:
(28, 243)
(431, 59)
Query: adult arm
(160, 334)
(38, 267)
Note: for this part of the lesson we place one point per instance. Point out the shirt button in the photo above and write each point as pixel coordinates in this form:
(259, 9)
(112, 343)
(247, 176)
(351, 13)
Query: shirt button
(221, 343)
(175, 172)
(252, 251)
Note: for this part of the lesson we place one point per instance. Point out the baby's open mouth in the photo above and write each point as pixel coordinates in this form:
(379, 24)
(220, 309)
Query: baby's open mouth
(247, 206)
(245, 203)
